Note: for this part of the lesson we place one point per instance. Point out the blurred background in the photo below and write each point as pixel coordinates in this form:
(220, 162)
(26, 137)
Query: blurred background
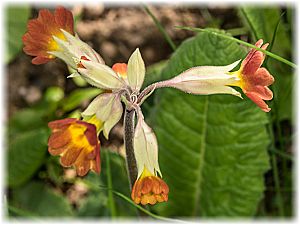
(37, 185)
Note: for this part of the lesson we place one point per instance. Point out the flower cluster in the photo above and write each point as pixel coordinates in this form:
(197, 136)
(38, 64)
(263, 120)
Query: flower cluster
(76, 141)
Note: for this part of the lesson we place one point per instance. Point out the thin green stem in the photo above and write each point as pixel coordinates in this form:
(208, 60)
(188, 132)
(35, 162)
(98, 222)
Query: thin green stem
(111, 201)
(275, 172)
(161, 28)
(277, 185)
(274, 36)
(282, 154)
(237, 31)
(279, 58)
(146, 211)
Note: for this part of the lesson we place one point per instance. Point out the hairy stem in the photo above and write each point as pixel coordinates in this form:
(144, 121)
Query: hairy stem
(128, 140)
(149, 89)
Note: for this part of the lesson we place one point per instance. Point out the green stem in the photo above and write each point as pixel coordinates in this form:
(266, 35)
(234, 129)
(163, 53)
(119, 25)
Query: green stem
(111, 201)
(144, 210)
(279, 58)
(161, 28)
(237, 31)
(275, 173)
(282, 154)
(274, 36)
(277, 184)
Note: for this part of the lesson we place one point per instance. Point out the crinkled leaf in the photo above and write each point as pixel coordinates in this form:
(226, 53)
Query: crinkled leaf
(212, 149)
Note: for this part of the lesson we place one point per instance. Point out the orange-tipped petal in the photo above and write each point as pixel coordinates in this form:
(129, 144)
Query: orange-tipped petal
(262, 77)
(253, 60)
(258, 101)
(254, 79)
(77, 143)
(149, 189)
(38, 39)
(120, 69)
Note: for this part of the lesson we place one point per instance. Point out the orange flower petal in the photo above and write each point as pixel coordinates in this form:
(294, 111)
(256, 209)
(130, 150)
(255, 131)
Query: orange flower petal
(258, 101)
(253, 60)
(254, 80)
(149, 190)
(120, 69)
(77, 143)
(59, 139)
(262, 77)
(70, 155)
(38, 39)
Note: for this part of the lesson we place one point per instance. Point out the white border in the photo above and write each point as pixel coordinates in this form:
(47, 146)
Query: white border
(122, 3)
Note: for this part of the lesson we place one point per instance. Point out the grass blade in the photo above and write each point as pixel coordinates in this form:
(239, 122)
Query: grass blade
(161, 28)
(109, 184)
(274, 35)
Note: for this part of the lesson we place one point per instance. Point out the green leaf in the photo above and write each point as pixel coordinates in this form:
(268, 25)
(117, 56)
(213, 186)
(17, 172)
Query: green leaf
(41, 201)
(262, 23)
(78, 96)
(25, 120)
(212, 149)
(26, 154)
(16, 20)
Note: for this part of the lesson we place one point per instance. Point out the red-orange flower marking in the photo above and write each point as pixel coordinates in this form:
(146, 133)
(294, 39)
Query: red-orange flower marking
(38, 40)
(77, 143)
(149, 189)
(79, 65)
(120, 69)
(254, 79)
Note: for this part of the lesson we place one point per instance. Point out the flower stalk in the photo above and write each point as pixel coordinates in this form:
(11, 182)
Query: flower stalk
(128, 141)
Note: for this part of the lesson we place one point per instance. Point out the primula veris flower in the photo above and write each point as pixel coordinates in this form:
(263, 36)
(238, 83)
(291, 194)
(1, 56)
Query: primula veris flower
(206, 80)
(77, 143)
(71, 50)
(148, 188)
(100, 75)
(117, 78)
(108, 109)
(39, 40)
(254, 80)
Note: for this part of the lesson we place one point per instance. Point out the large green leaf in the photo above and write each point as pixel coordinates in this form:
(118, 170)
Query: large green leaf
(16, 20)
(40, 200)
(26, 154)
(212, 149)
(262, 23)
